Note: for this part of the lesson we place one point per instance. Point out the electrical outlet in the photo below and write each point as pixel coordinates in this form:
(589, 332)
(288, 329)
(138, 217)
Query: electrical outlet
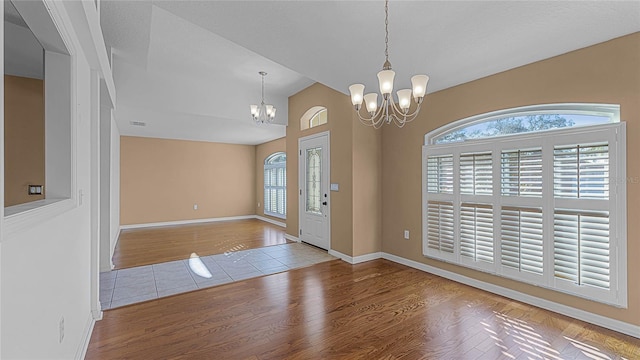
(61, 329)
(406, 234)
(195, 206)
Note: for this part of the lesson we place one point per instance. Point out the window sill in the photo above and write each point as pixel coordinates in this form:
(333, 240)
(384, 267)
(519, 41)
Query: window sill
(24, 216)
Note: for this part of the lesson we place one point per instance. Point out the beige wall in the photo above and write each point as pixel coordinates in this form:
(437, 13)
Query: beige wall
(604, 73)
(162, 179)
(355, 166)
(23, 138)
(339, 125)
(263, 151)
(367, 188)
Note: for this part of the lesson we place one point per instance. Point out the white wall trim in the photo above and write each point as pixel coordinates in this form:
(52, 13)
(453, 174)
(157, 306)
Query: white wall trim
(356, 259)
(185, 222)
(342, 256)
(112, 250)
(291, 237)
(367, 257)
(271, 221)
(616, 325)
(86, 337)
(41, 211)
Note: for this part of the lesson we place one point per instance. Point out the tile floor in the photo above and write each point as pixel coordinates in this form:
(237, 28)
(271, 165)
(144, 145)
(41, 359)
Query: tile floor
(142, 283)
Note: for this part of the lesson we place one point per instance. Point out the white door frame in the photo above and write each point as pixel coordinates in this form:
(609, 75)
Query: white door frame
(301, 176)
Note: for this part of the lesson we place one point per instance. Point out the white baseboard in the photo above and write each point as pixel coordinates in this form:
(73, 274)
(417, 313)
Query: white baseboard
(271, 221)
(616, 325)
(185, 222)
(356, 259)
(86, 337)
(366, 257)
(340, 255)
(97, 314)
(291, 237)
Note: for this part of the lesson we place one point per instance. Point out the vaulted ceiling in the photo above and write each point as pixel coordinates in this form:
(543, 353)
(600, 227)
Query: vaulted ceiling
(189, 69)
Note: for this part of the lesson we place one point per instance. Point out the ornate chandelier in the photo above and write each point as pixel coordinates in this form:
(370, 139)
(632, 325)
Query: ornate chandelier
(263, 113)
(389, 111)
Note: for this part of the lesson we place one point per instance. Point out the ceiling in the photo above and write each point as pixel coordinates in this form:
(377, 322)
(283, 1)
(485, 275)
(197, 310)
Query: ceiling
(189, 69)
(23, 54)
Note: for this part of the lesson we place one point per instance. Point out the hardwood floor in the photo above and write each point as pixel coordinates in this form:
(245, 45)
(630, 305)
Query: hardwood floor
(374, 310)
(137, 247)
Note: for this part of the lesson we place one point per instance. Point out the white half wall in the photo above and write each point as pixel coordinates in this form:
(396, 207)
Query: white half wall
(45, 268)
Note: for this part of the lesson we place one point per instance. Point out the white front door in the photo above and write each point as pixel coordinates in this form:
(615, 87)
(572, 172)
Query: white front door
(314, 194)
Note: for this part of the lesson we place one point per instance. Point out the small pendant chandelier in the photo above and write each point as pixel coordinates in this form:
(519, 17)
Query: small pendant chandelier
(263, 113)
(389, 111)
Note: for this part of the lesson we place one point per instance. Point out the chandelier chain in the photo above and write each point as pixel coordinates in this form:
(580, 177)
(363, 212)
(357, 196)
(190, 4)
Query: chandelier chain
(386, 30)
(262, 88)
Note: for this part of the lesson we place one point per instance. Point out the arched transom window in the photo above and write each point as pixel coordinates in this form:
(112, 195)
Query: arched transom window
(525, 120)
(315, 116)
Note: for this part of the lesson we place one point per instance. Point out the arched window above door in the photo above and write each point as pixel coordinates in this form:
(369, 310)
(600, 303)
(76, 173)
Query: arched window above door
(315, 116)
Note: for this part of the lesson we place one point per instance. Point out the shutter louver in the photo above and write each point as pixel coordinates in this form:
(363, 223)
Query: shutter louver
(521, 173)
(476, 232)
(581, 171)
(581, 247)
(476, 174)
(440, 174)
(440, 226)
(521, 239)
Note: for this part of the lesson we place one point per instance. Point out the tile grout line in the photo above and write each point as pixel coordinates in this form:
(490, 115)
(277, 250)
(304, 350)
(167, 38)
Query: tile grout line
(155, 284)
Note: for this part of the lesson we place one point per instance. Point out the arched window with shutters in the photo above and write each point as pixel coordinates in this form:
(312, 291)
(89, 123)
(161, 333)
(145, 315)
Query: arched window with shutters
(535, 194)
(275, 185)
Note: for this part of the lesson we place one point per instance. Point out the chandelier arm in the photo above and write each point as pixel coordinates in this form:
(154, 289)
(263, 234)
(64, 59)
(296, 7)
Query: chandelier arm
(376, 123)
(365, 121)
(400, 119)
(396, 109)
(374, 116)
(415, 112)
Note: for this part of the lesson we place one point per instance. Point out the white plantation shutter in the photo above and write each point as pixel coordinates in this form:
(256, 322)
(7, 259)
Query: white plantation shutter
(440, 226)
(440, 174)
(555, 215)
(476, 174)
(275, 185)
(581, 247)
(521, 173)
(581, 171)
(476, 232)
(521, 239)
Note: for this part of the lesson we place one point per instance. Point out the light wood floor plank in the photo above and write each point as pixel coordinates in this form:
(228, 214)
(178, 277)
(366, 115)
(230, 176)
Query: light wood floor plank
(333, 310)
(137, 247)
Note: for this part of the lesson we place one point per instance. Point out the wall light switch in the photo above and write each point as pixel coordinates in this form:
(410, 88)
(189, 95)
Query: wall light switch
(335, 187)
(195, 206)
(406, 234)
(35, 189)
